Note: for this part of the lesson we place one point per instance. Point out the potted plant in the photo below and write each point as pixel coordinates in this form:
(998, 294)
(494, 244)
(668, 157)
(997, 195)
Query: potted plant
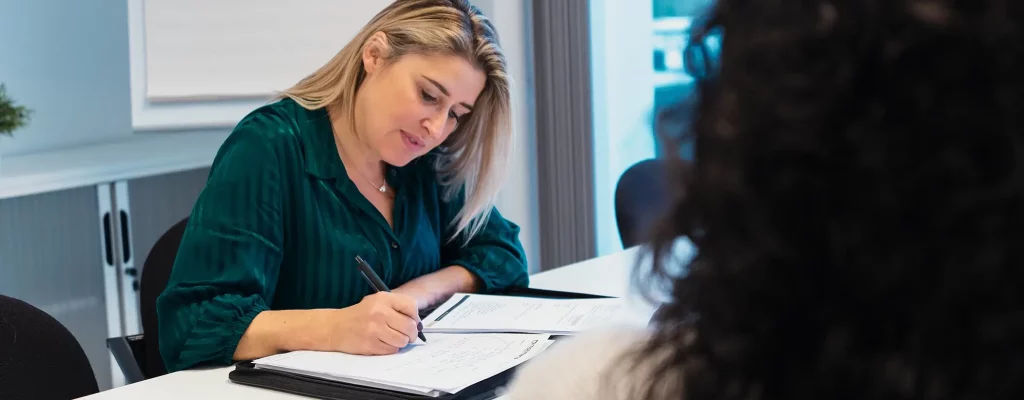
(12, 115)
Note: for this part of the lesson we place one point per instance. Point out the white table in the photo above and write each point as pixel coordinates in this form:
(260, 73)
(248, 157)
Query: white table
(608, 275)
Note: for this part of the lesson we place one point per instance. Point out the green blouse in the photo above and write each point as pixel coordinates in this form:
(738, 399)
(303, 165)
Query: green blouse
(279, 224)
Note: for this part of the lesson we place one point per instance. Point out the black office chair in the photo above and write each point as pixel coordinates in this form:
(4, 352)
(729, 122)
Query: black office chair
(139, 355)
(39, 358)
(642, 196)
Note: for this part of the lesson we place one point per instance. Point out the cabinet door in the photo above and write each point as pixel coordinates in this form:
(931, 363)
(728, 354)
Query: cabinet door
(146, 208)
(52, 255)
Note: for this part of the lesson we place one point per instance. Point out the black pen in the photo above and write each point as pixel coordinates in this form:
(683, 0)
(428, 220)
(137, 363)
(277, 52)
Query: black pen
(378, 285)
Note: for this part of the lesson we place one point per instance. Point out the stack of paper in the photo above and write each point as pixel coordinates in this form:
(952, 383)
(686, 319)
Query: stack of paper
(447, 363)
(470, 338)
(473, 313)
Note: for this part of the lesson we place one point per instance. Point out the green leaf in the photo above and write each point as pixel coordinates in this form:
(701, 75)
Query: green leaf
(12, 115)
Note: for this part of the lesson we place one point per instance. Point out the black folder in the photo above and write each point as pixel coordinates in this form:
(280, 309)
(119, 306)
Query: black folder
(246, 373)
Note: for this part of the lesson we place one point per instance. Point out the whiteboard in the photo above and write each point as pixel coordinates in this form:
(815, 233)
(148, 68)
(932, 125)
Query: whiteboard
(205, 64)
(201, 49)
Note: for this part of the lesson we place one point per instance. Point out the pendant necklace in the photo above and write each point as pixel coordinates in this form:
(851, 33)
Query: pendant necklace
(383, 188)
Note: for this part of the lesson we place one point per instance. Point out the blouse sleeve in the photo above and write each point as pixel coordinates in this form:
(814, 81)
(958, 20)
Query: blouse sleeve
(227, 264)
(495, 254)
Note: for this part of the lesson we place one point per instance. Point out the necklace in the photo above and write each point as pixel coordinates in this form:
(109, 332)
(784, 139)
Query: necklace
(383, 187)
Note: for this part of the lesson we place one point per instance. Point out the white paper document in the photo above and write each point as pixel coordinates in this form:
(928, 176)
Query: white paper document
(447, 363)
(469, 313)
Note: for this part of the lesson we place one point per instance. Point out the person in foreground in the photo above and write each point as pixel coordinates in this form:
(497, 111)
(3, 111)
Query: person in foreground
(854, 206)
(392, 152)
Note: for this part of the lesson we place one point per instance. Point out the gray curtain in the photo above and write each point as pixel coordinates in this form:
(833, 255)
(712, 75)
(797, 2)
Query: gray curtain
(564, 126)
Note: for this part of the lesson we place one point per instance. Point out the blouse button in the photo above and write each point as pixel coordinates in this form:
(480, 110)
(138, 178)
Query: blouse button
(394, 245)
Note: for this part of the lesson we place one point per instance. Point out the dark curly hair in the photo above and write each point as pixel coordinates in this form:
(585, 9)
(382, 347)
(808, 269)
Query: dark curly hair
(855, 204)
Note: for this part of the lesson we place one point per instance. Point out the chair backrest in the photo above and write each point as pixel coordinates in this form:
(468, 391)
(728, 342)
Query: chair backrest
(39, 357)
(642, 195)
(156, 271)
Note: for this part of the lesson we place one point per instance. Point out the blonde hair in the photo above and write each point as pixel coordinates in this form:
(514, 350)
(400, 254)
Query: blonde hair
(475, 155)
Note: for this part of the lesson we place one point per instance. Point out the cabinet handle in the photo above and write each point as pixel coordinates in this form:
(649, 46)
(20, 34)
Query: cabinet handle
(108, 243)
(125, 245)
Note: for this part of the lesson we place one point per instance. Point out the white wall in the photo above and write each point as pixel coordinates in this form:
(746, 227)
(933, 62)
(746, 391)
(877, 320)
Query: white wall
(518, 200)
(622, 43)
(72, 71)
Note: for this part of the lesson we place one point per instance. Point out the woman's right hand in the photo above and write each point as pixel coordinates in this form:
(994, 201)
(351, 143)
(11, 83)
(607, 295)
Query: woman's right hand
(381, 323)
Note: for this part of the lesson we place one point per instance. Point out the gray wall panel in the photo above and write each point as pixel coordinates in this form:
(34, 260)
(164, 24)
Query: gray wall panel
(159, 202)
(156, 203)
(565, 137)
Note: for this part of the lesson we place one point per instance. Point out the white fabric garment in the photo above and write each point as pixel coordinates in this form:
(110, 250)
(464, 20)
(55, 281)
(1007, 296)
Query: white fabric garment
(590, 366)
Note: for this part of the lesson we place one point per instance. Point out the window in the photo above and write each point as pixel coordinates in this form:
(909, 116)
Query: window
(638, 69)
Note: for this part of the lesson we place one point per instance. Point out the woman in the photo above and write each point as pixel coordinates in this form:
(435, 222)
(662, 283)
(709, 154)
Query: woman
(390, 152)
(855, 204)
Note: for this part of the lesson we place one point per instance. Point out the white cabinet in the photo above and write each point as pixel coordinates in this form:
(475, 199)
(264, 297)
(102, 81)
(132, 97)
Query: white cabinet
(78, 253)
(76, 226)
